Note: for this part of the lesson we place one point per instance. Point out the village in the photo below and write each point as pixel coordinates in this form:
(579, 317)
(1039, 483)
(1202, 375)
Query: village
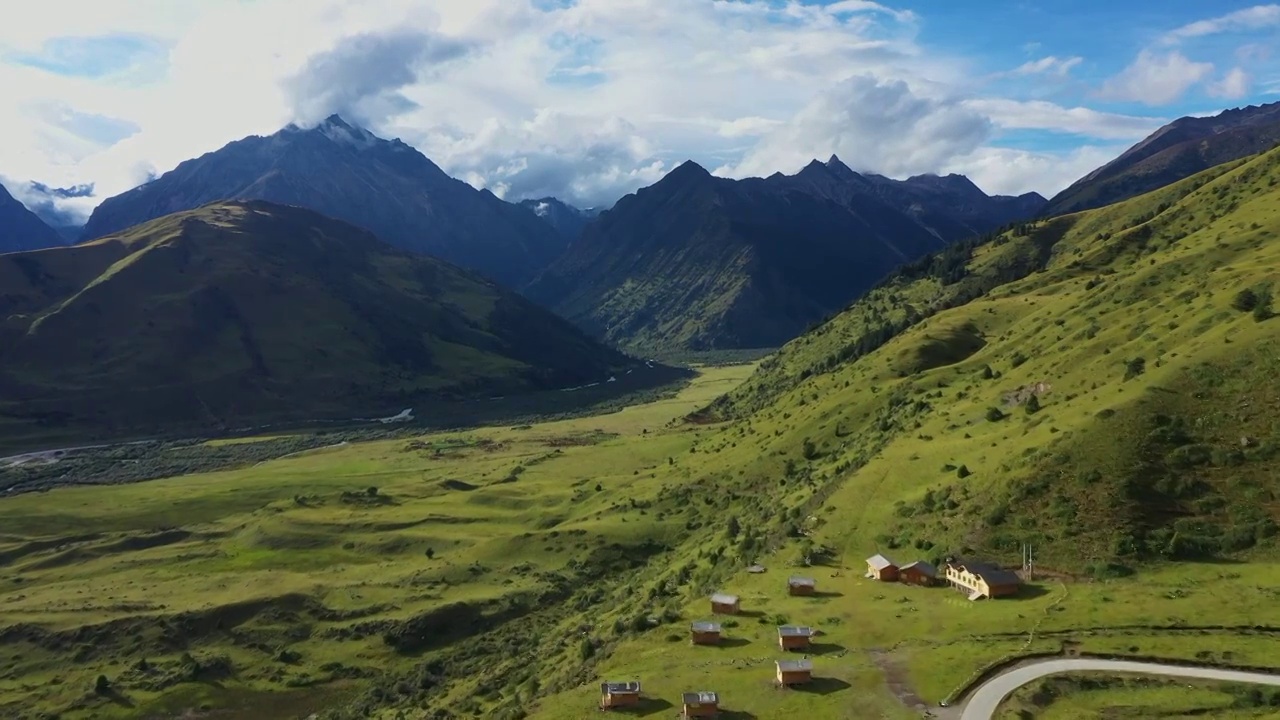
(975, 579)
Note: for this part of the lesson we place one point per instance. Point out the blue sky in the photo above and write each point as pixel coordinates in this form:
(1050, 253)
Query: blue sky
(591, 99)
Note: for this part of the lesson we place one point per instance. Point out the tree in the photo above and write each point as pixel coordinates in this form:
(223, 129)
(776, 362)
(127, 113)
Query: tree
(431, 553)
(102, 686)
(1135, 367)
(1262, 310)
(372, 492)
(995, 414)
(987, 372)
(735, 527)
(1245, 300)
(1033, 404)
(962, 472)
(809, 449)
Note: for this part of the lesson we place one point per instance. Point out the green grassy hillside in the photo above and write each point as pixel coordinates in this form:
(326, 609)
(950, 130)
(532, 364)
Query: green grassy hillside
(238, 314)
(505, 572)
(1142, 332)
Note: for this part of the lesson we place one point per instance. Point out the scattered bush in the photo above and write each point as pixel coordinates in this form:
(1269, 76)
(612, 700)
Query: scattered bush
(995, 414)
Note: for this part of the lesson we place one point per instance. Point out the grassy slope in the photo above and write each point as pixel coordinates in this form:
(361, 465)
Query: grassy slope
(235, 564)
(1135, 697)
(689, 506)
(236, 314)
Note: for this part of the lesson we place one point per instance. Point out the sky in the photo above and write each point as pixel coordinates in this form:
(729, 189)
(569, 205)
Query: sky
(588, 100)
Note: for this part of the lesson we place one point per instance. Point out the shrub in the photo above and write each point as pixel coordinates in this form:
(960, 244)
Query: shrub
(1245, 300)
(371, 492)
(1135, 367)
(102, 686)
(962, 472)
(1033, 405)
(1017, 359)
(995, 414)
(1262, 311)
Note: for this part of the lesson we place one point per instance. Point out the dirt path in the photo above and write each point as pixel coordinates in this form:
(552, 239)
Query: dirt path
(899, 684)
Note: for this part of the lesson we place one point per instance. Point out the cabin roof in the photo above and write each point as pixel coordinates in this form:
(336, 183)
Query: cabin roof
(797, 580)
(989, 572)
(795, 665)
(630, 687)
(923, 567)
(700, 697)
(880, 562)
(795, 631)
(724, 599)
(705, 626)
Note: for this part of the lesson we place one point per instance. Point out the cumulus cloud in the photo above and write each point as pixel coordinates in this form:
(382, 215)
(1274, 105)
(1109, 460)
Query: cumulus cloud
(874, 124)
(361, 76)
(1050, 65)
(1253, 18)
(1156, 78)
(1006, 171)
(1233, 86)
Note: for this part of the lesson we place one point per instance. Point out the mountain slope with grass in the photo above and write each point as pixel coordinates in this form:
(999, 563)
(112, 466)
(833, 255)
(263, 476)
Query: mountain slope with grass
(21, 229)
(1178, 150)
(1095, 384)
(245, 312)
(348, 173)
(697, 262)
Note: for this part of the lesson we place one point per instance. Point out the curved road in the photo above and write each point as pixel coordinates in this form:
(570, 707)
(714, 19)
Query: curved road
(982, 702)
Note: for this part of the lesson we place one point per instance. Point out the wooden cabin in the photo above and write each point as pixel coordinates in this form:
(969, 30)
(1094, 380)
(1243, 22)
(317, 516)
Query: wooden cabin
(918, 573)
(702, 704)
(705, 633)
(797, 585)
(794, 637)
(619, 694)
(881, 568)
(794, 672)
(981, 580)
(725, 604)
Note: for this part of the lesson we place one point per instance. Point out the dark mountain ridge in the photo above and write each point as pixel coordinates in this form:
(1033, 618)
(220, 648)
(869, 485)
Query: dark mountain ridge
(242, 312)
(21, 229)
(698, 262)
(1178, 150)
(348, 173)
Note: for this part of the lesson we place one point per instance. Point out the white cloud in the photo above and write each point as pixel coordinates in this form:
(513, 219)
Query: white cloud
(1156, 78)
(1050, 65)
(1254, 18)
(1005, 171)
(747, 127)
(1042, 115)
(1233, 86)
(872, 124)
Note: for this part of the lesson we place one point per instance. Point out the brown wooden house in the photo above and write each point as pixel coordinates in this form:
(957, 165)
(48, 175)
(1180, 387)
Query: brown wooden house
(882, 568)
(702, 704)
(794, 637)
(918, 573)
(705, 633)
(619, 694)
(797, 585)
(794, 672)
(725, 604)
(981, 580)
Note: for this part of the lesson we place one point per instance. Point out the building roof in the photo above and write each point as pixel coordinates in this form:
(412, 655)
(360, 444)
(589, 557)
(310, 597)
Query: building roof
(757, 569)
(724, 599)
(880, 562)
(631, 687)
(924, 567)
(705, 626)
(703, 696)
(797, 580)
(794, 631)
(989, 572)
(795, 665)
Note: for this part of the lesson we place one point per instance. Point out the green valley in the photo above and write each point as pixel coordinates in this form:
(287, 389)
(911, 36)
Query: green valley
(1100, 386)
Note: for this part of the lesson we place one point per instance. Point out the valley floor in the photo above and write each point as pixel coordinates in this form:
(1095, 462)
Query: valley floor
(299, 584)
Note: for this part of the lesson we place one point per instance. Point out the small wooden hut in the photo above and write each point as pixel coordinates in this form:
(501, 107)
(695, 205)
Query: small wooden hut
(702, 704)
(725, 604)
(797, 585)
(794, 637)
(619, 694)
(705, 633)
(794, 672)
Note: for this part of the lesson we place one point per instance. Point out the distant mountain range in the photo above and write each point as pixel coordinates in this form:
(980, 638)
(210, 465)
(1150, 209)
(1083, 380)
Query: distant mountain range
(567, 220)
(21, 229)
(350, 174)
(697, 262)
(1178, 150)
(245, 312)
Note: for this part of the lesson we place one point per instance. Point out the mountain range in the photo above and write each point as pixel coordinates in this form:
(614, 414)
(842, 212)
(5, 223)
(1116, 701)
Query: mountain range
(567, 220)
(21, 229)
(698, 262)
(242, 312)
(350, 174)
(1180, 149)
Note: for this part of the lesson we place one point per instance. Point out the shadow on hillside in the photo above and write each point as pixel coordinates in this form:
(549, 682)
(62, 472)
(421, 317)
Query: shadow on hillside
(736, 715)
(732, 642)
(1027, 592)
(822, 686)
(755, 614)
(826, 594)
(117, 699)
(823, 648)
(647, 706)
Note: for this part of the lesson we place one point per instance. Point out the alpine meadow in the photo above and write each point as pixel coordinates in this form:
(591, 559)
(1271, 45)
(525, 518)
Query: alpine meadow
(516, 360)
